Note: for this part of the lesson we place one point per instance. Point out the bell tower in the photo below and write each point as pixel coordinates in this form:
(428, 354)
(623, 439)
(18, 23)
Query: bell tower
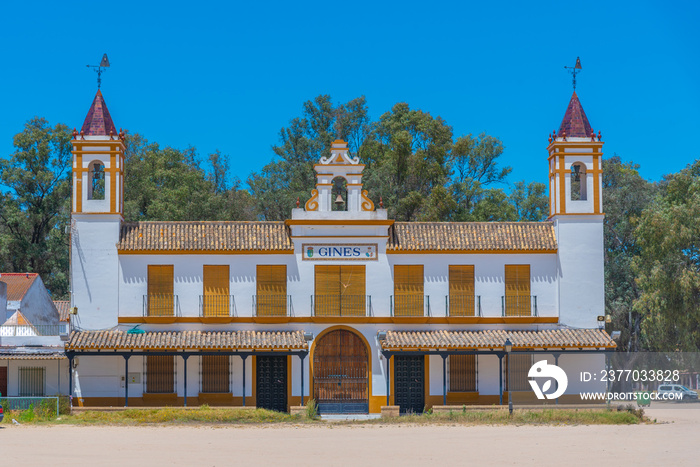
(576, 209)
(97, 214)
(98, 163)
(575, 165)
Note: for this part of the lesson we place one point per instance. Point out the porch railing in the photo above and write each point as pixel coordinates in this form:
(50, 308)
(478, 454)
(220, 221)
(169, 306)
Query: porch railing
(462, 305)
(341, 305)
(217, 306)
(519, 305)
(28, 330)
(409, 305)
(272, 305)
(161, 305)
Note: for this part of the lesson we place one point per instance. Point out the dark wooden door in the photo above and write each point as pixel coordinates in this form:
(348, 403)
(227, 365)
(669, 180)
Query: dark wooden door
(271, 383)
(341, 373)
(3, 381)
(409, 383)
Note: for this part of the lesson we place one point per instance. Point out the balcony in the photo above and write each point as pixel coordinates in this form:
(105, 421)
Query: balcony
(519, 305)
(410, 305)
(341, 305)
(217, 306)
(161, 305)
(270, 305)
(461, 305)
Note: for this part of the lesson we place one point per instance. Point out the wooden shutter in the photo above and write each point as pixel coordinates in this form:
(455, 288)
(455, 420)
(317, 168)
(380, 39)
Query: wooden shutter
(161, 300)
(521, 364)
(3, 381)
(215, 373)
(517, 299)
(271, 299)
(340, 290)
(461, 279)
(160, 374)
(352, 290)
(408, 290)
(216, 300)
(462, 373)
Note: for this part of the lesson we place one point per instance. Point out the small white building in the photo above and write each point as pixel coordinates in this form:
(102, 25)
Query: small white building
(388, 313)
(32, 361)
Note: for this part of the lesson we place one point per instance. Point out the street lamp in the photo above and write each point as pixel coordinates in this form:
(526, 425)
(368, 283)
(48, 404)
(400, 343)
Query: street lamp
(508, 346)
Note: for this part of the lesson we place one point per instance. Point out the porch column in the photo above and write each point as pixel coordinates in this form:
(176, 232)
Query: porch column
(556, 383)
(500, 378)
(70, 380)
(243, 357)
(388, 376)
(301, 359)
(444, 379)
(184, 361)
(126, 380)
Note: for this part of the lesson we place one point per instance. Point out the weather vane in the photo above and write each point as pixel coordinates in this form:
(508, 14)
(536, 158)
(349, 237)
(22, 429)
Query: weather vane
(100, 68)
(572, 69)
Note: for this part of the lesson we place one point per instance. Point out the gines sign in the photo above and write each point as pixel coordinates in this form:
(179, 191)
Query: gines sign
(339, 251)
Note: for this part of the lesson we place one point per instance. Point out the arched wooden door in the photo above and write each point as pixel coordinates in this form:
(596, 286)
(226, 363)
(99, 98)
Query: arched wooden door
(341, 373)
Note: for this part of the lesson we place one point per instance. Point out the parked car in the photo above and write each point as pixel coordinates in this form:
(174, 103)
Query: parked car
(686, 395)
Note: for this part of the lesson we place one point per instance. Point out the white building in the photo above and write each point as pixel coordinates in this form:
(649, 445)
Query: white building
(388, 313)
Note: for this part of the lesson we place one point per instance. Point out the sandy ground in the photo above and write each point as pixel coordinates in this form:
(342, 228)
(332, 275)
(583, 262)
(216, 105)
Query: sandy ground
(673, 441)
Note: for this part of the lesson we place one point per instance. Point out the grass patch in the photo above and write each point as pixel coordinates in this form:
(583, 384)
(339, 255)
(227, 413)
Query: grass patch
(222, 416)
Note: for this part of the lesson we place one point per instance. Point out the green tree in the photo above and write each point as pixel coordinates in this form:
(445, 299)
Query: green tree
(169, 185)
(668, 265)
(625, 197)
(308, 138)
(35, 211)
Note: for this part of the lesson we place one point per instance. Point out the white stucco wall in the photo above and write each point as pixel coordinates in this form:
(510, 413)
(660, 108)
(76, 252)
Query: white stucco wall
(94, 267)
(56, 373)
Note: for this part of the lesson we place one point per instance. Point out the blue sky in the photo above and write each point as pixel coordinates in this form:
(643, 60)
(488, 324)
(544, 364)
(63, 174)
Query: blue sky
(229, 75)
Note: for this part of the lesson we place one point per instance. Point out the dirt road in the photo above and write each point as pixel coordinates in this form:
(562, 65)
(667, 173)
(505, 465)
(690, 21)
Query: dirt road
(673, 442)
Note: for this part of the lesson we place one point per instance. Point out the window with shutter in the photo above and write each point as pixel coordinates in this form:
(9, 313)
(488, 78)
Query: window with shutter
(521, 364)
(462, 373)
(461, 298)
(216, 300)
(517, 298)
(271, 298)
(161, 299)
(340, 290)
(408, 290)
(160, 374)
(215, 373)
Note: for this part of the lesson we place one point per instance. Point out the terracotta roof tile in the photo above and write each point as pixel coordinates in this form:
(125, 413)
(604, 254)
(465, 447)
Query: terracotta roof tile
(575, 122)
(187, 340)
(204, 236)
(63, 307)
(17, 319)
(494, 339)
(98, 121)
(472, 236)
(17, 284)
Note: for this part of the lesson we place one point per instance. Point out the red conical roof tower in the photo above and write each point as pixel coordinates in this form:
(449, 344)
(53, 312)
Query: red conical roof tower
(98, 121)
(575, 123)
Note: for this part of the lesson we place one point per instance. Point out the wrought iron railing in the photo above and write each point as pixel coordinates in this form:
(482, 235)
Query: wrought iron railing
(341, 305)
(519, 305)
(462, 305)
(28, 330)
(409, 305)
(161, 304)
(269, 305)
(217, 306)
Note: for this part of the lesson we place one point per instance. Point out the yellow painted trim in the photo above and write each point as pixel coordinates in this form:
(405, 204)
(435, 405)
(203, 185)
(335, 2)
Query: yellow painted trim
(337, 222)
(367, 347)
(344, 320)
(340, 165)
(312, 203)
(470, 252)
(596, 185)
(200, 252)
(562, 184)
(113, 176)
